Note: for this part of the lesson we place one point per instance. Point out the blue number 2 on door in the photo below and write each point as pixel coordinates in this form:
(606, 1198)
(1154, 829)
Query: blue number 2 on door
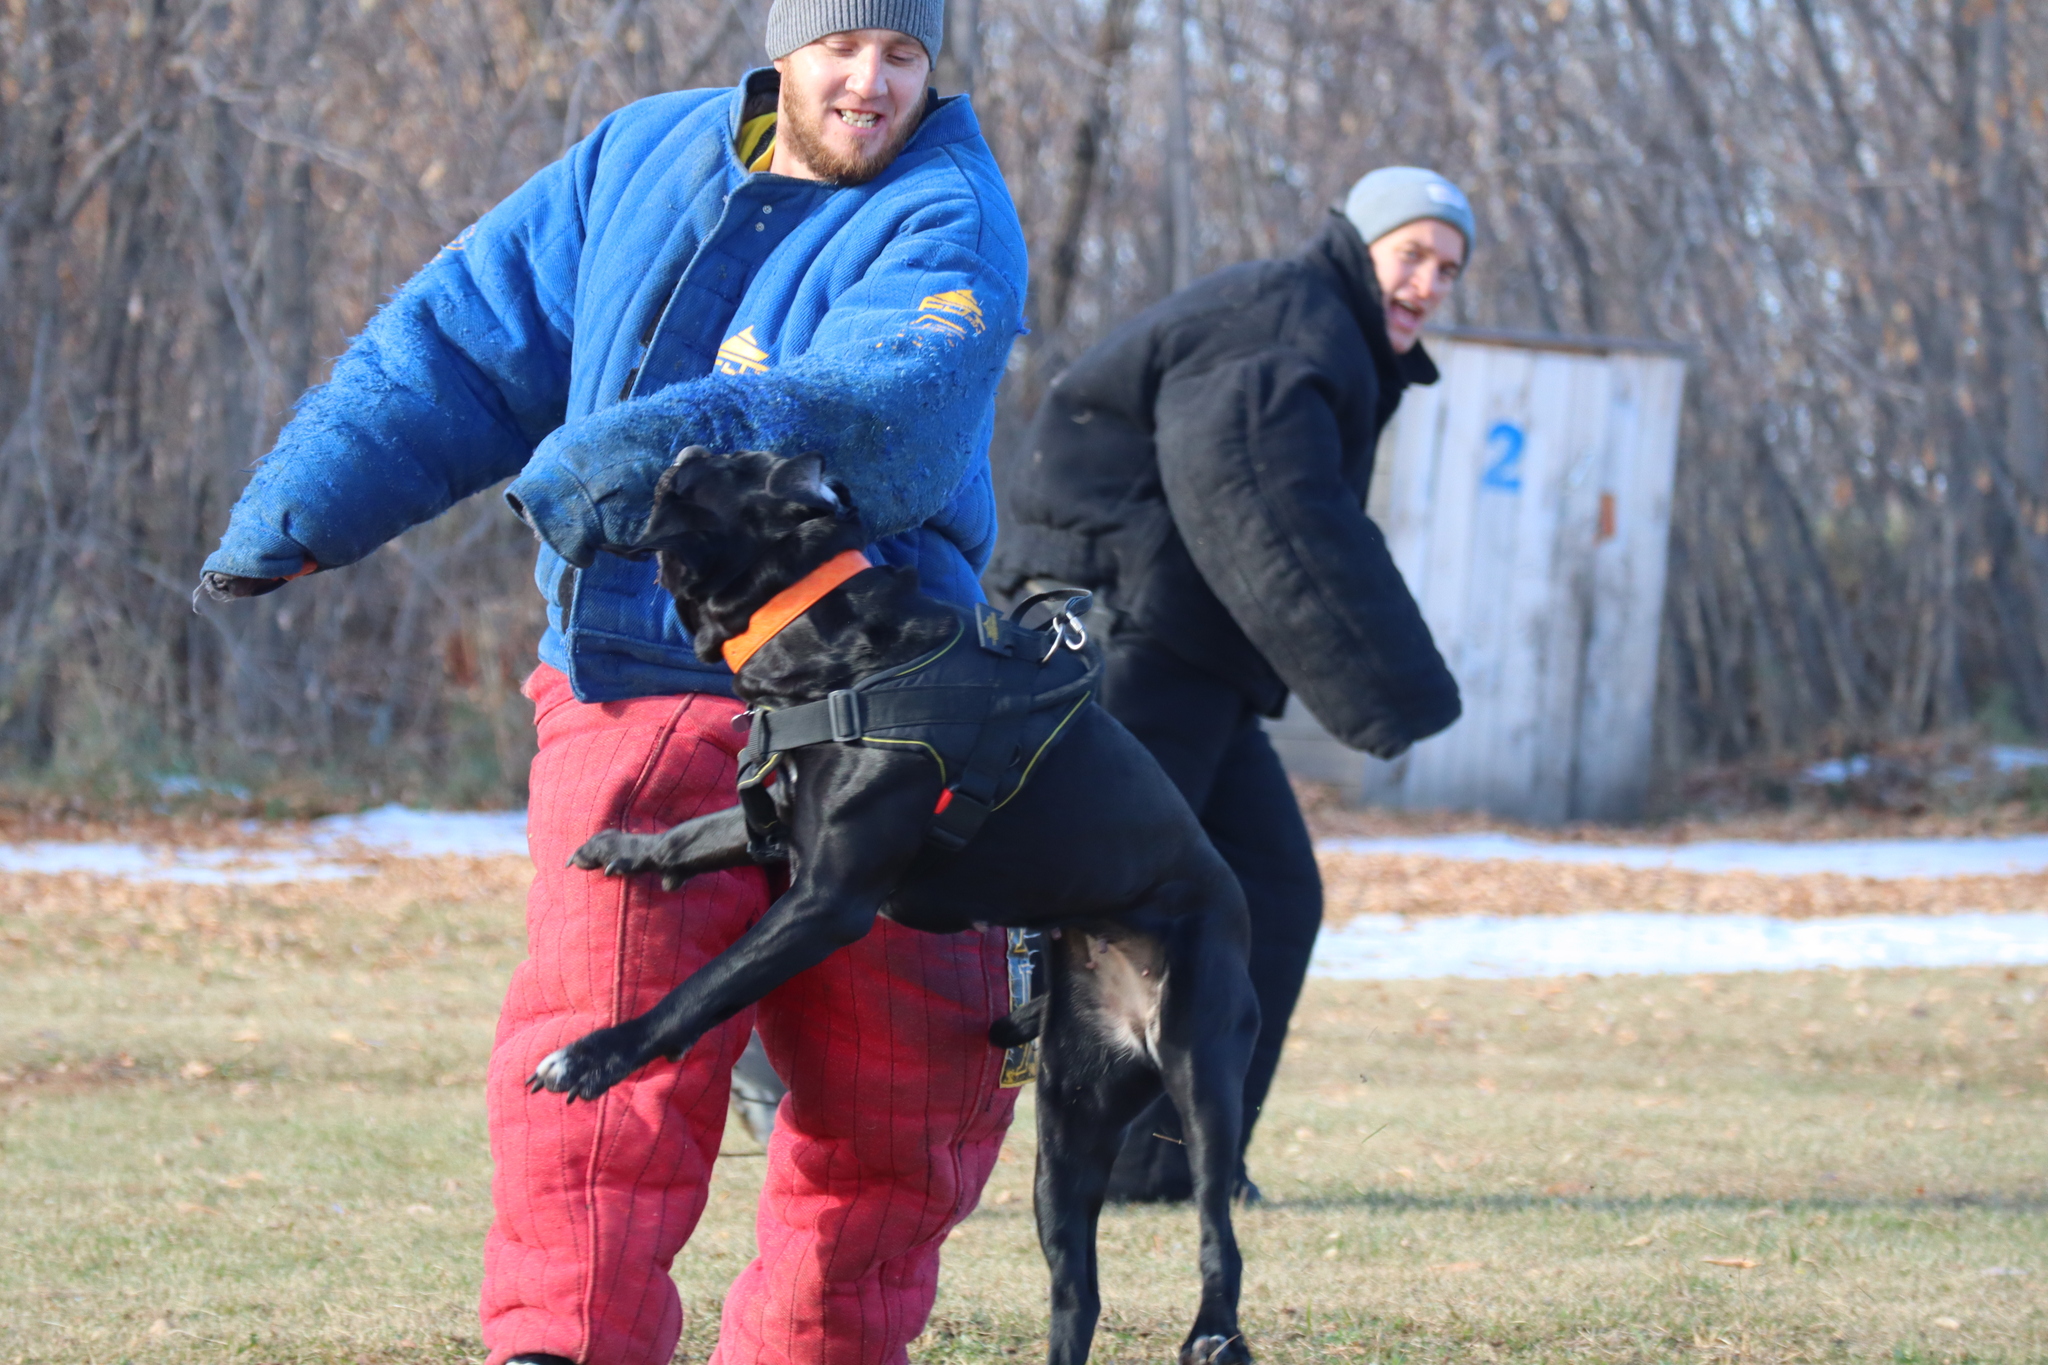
(1504, 467)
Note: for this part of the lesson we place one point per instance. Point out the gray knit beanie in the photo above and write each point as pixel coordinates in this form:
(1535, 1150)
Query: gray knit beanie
(794, 23)
(1395, 196)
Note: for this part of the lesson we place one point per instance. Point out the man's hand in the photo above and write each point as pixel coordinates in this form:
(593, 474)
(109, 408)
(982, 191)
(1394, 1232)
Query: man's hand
(225, 587)
(1384, 740)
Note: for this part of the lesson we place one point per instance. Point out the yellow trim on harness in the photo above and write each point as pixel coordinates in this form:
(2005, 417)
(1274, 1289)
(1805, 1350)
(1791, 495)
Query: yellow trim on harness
(936, 758)
(939, 759)
(928, 660)
(1025, 776)
(1029, 767)
(761, 773)
(907, 670)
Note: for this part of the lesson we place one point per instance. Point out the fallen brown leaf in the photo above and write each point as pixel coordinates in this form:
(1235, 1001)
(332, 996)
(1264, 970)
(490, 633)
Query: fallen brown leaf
(1732, 1262)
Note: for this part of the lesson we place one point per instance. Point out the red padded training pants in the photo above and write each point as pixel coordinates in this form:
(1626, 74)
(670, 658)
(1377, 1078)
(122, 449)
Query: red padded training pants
(890, 1129)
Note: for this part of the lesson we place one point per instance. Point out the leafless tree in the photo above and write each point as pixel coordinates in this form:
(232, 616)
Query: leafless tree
(1837, 202)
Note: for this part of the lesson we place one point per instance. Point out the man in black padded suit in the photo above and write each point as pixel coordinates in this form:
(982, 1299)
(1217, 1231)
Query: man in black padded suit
(1204, 470)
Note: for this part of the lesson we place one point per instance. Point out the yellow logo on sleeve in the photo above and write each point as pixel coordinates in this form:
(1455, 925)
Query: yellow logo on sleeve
(742, 354)
(949, 310)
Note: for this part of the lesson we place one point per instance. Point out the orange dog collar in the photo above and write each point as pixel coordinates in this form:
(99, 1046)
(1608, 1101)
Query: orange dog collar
(792, 602)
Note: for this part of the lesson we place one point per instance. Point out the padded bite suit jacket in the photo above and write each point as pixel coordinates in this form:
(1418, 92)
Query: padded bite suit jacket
(647, 292)
(1205, 467)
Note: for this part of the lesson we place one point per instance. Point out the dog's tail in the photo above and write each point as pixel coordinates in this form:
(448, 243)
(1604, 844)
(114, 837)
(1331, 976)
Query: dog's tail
(1019, 1026)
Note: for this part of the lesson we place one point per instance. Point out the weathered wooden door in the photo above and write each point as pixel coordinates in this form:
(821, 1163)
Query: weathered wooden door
(1527, 500)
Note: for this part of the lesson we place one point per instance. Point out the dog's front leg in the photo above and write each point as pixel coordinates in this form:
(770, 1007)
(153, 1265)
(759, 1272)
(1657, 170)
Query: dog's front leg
(708, 843)
(833, 902)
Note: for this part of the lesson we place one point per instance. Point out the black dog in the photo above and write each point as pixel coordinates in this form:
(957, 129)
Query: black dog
(1147, 983)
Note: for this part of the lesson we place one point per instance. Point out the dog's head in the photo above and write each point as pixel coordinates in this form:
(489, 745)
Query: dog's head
(731, 531)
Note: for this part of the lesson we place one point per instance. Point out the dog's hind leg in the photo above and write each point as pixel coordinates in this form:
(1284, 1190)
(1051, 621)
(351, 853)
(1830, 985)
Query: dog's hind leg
(1087, 1095)
(1205, 1048)
(705, 844)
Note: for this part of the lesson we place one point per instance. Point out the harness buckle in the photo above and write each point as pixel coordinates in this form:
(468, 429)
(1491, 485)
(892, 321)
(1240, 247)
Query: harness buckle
(1065, 624)
(844, 708)
(1067, 630)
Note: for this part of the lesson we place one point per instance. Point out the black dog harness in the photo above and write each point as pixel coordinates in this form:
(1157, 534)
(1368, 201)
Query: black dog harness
(985, 706)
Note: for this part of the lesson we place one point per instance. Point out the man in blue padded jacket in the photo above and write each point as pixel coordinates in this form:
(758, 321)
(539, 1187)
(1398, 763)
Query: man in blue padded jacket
(824, 259)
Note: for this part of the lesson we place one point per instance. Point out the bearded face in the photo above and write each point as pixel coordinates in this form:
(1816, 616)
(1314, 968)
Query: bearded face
(849, 102)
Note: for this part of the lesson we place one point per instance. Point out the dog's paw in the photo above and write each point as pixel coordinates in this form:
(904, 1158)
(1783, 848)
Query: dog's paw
(1216, 1350)
(1019, 1026)
(618, 854)
(591, 1065)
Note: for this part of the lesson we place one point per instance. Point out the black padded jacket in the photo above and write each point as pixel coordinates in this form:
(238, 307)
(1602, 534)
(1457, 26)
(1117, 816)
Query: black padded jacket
(1204, 469)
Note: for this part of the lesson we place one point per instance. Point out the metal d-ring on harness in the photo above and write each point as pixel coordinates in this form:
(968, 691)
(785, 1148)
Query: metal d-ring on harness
(984, 713)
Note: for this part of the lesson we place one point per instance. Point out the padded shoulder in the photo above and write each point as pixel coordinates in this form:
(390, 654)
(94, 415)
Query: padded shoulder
(645, 122)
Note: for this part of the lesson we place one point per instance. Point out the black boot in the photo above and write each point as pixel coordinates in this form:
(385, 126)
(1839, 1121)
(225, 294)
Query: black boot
(539, 1358)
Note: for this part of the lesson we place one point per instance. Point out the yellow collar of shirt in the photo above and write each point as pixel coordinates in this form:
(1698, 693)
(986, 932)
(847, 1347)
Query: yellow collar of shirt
(757, 142)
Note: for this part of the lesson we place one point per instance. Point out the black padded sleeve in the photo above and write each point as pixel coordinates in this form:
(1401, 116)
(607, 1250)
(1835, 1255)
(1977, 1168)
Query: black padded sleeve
(1251, 460)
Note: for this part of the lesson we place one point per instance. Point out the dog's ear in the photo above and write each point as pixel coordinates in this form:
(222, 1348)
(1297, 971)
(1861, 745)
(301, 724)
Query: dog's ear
(678, 511)
(801, 479)
(688, 469)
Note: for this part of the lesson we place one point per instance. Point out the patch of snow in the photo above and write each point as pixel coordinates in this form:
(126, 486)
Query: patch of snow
(1388, 948)
(1828, 772)
(210, 866)
(2004, 759)
(407, 833)
(1885, 859)
(325, 856)
(1381, 947)
(184, 784)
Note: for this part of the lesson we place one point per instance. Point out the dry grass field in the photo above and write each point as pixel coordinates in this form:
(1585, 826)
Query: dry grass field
(245, 1125)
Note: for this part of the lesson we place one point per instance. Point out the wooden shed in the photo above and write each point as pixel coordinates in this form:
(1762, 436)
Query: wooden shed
(1527, 499)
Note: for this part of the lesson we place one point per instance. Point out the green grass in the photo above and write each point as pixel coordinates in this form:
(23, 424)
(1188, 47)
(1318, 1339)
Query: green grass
(248, 1126)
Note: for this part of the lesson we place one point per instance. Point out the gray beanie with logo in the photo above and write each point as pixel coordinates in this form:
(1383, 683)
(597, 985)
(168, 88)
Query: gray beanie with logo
(796, 23)
(1395, 196)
